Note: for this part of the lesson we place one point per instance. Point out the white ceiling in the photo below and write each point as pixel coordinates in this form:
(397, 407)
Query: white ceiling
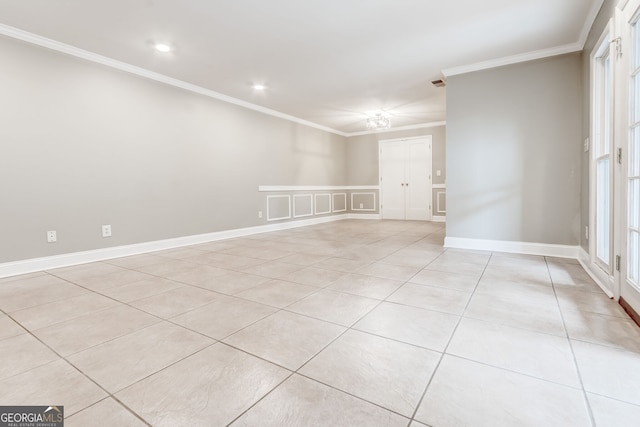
(328, 62)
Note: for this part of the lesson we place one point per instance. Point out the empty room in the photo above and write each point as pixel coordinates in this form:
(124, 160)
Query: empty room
(306, 213)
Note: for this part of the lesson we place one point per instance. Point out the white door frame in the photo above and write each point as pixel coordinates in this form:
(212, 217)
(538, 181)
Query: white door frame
(606, 278)
(430, 186)
(618, 36)
(626, 13)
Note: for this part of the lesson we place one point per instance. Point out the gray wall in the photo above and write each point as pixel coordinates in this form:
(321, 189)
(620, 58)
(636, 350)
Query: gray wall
(83, 145)
(363, 156)
(606, 13)
(514, 152)
(362, 153)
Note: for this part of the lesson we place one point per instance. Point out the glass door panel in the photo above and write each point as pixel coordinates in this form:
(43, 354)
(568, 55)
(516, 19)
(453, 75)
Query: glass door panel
(602, 139)
(630, 166)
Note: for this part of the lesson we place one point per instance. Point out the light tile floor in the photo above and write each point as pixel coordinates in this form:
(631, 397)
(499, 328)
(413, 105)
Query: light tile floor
(353, 323)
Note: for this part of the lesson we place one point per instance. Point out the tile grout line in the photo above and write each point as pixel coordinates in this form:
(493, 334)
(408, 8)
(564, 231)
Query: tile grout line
(444, 350)
(573, 354)
(347, 329)
(215, 340)
(109, 394)
(296, 371)
(64, 359)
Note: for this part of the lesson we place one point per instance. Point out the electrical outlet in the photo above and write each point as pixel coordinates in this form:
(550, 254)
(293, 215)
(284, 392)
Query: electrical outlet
(259, 214)
(52, 236)
(586, 144)
(586, 232)
(106, 231)
(361, 205)
(438, 172)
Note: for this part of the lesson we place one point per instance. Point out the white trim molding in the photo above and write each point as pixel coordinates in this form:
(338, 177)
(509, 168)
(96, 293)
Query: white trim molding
(277, 188)
(588, 23)
(537, 54)
(529, 248)
(438, 194)
(373, 209)
(364, 216)
(515, 59)
(288, 197)
(317, 212)
(33, 265)
(67, 49)
(295, 211)
(438, 218)
(396, 129)
(35, 39)
(47, 263)
(598, 276)
(333, 202)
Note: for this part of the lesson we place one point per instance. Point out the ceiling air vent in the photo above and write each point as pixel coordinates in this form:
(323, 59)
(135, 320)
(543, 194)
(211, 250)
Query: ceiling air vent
(439, 83)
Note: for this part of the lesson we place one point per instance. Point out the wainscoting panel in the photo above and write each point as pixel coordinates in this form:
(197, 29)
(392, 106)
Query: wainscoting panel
(323, 204)
(302, 205)
(339, 202)
(293, 202)
(441, 202)
(278, 207)
(363, 202)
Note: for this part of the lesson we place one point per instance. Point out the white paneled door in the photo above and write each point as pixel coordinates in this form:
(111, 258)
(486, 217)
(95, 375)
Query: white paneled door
(405, 179)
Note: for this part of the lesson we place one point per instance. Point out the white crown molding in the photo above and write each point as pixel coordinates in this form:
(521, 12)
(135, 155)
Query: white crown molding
(537, 54)
(591, 18)
(142, 72)
(45, 42)
(529, 248)
(621, 4)
(515, 59)
(409, 127)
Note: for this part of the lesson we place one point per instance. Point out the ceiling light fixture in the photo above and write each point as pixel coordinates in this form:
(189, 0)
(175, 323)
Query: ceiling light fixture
(163, 47)
(259, 87)
(378, 122)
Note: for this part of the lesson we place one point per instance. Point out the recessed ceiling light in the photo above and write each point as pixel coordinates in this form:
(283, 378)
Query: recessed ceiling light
(163, 47)
(259, 87)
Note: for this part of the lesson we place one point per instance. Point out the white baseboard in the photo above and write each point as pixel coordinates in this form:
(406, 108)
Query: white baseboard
(438, 218)
(598, 276)
(544, 249)
(47, 263)
(363, 216)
